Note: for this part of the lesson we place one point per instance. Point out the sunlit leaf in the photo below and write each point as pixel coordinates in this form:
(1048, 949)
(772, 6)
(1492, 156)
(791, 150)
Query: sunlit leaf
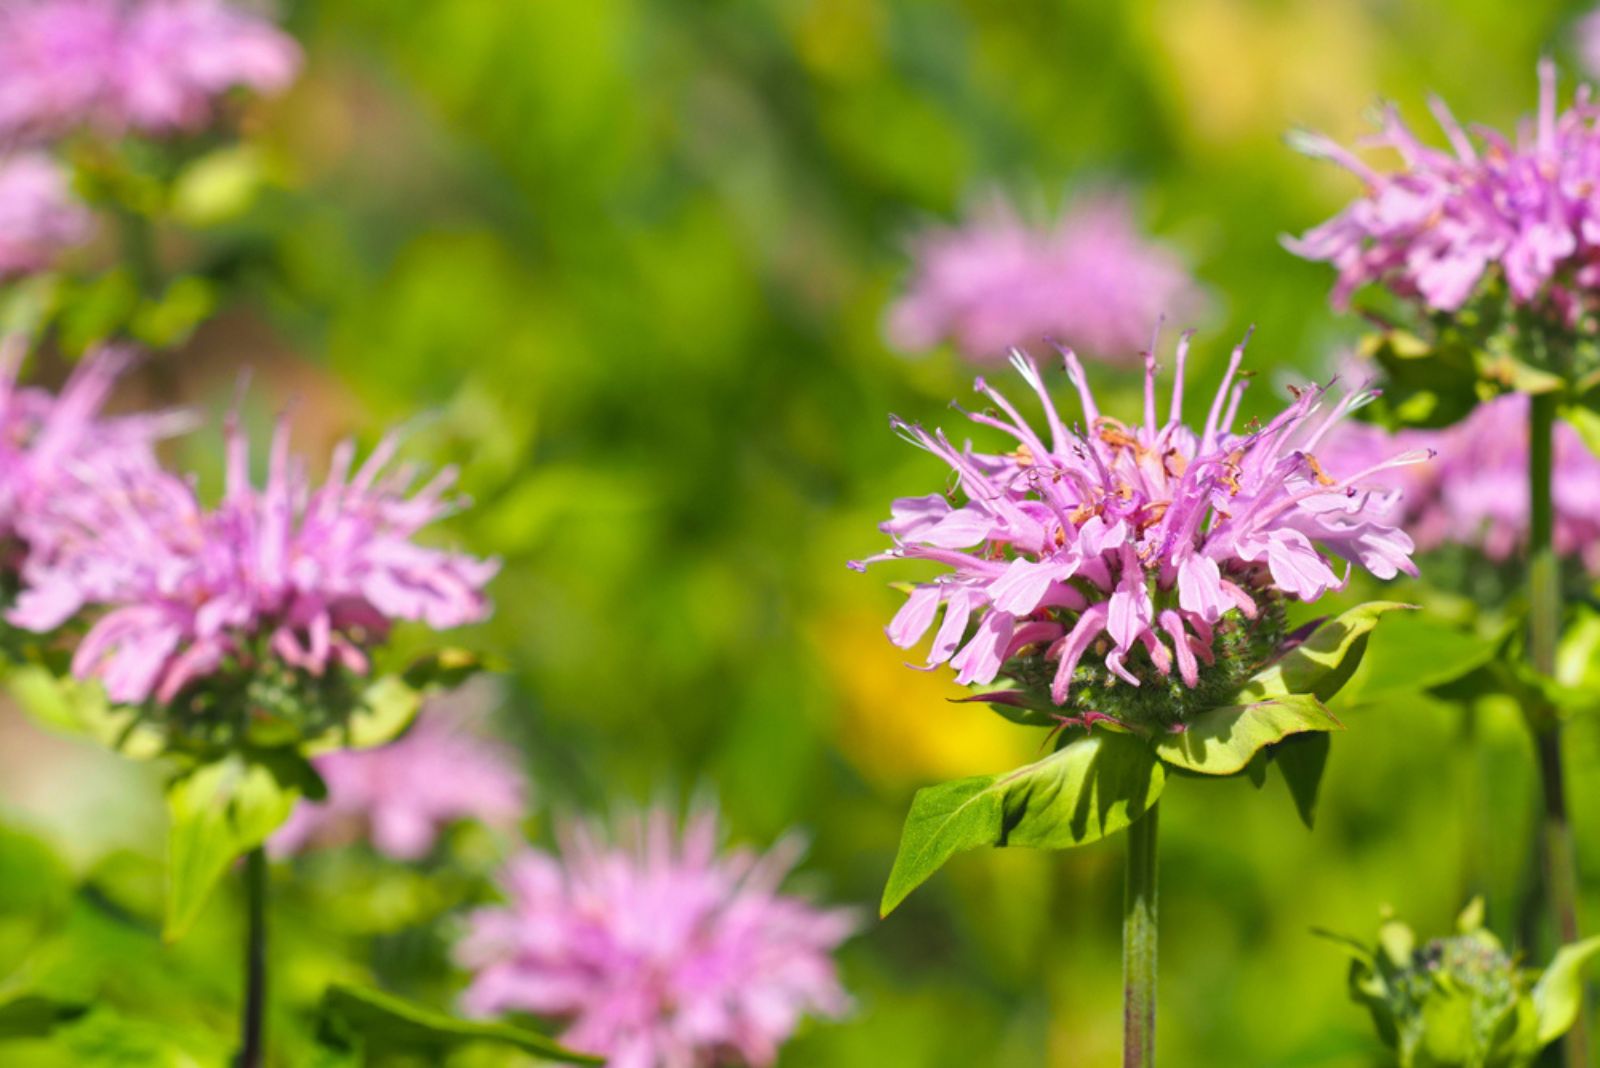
(1222, 741)
(1558, 994)
(1090, 789)
(1324, 661)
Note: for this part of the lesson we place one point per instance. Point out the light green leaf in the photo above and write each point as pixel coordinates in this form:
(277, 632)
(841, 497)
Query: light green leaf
(378, 1023)
(1221, 741)
(1302, 758)
(1087, 790)
(70, 706)
(220, 811)
(1559, 992)
(1324, 662)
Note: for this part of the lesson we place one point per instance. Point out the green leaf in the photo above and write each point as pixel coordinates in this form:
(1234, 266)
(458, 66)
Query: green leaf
(220, 811)
(34, 1015)
(1302, 758)
(388, 705)
(379, 1023)
(1558, 994)
(1420, 651)
(1083, 792)
(1324, 662)
(67, 705)
(1221, 741)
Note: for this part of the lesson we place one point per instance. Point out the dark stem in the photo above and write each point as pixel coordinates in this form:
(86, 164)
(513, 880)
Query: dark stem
(1544, 632)
(252, 1021)
(1139, 945)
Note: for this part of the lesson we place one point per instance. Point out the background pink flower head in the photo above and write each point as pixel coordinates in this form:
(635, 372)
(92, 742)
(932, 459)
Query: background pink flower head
(1476, 492)
(53, 445)
(658, 951)
(403, 795)
(1131, 539)
(156, 66)
(310, 577)
(1092, 281)
(39, 217)
(1433, 228)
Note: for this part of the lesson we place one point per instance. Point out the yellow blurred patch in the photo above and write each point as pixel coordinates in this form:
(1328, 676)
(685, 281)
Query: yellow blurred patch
(838, 39)
(898, 726)
(1241, 69)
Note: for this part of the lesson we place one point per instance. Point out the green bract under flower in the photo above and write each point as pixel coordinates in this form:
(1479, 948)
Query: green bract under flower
(1261, 704)
(1463, 1001)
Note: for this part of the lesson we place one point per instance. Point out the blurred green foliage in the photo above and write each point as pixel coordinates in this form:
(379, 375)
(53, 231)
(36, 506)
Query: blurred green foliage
(631, 257)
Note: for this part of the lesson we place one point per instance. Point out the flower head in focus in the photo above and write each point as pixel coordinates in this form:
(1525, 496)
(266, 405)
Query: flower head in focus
(404, 794)
(1445, 222)
(1476, 493)
(275, 583)
(658, 950)
(39, 217)
(1092, 281)
(1137, 571)
(154, 66)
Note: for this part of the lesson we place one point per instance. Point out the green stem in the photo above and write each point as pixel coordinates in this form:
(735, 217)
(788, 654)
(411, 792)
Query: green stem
(252, 1018)
(1139, 945)
(1544, 632)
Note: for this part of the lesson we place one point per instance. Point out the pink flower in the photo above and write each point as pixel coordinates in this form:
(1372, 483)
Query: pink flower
(39, 217)
(1093, 282)
(156, 66)
(309, 577)
(1141, 546)
(658, 952)
(1434, 228)
(50, 444)
(1587, 32)
(1476, 494)
(404, 794)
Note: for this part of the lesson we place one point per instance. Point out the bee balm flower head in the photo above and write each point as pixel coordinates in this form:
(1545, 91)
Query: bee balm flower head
(276, 582)
(1137, 571)
(1447, 220)
(660, 951)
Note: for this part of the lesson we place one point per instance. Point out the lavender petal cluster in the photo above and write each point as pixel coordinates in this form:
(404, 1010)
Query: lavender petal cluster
(1129, 548)
(39, 217)
(1435, 228)
(147, 66)
(308, 576)
(658, 951)
(1476, 493)
(403, 795)
(1092, 281)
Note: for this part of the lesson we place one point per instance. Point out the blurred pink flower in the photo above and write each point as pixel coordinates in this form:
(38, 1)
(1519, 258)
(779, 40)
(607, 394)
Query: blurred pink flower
(403, 795)
(1476, 492)
(1092, 282)
(39, 217)
(1587, 32)
(1432, 229)
(50, 443)
(1133, 537)
(156, 66)
(315, 574)
(658, 952)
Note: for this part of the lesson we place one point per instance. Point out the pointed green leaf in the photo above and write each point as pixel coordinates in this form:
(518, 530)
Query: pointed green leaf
(380, 1023)
(1559, 992)
(68, 705)
(1324, 662)
(1222, 741)
(1302, 758)
(1087, 790)
(220, 811)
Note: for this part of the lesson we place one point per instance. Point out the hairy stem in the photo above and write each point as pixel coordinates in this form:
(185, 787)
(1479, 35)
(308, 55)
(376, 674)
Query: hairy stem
(1139, 945)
